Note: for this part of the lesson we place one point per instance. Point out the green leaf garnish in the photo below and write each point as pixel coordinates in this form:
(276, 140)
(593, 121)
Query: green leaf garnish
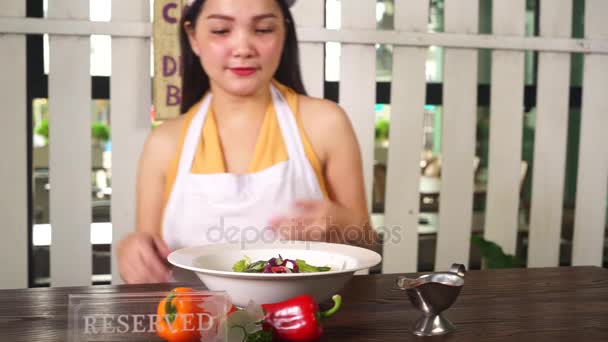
(241, 265)
(306, 268)
(256, 267)
(260, 336)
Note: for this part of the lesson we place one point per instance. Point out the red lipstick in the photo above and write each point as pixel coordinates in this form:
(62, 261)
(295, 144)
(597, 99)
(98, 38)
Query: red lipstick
(243, 71)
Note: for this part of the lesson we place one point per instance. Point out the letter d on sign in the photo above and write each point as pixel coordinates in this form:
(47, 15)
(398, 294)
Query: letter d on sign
(169, 66)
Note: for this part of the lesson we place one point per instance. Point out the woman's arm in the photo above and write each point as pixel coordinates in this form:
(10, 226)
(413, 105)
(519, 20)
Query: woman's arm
(344, 179)
(142, 254)
(345, 214)
(158, 152)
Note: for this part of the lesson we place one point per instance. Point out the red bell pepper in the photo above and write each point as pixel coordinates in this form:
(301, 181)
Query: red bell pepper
(298, 318)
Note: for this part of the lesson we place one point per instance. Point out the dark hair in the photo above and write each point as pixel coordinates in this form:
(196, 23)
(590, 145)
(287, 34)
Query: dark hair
(195, 82)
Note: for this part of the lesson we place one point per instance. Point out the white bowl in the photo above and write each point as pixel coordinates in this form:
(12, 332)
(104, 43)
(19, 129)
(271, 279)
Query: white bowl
(213, 265)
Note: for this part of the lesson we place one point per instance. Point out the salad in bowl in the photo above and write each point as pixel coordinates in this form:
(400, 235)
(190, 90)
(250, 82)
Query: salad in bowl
(277, 265)
(276, 271)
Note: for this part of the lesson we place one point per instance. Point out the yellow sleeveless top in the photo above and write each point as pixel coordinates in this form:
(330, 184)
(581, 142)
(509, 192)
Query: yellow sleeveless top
(269, 150)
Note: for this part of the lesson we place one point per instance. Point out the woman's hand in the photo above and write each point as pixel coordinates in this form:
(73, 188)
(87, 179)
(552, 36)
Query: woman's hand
(142, 259)
(314, 220)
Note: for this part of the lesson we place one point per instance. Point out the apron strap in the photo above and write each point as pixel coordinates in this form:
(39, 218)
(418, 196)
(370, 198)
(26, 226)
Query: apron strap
(289, 128)
(193, 134)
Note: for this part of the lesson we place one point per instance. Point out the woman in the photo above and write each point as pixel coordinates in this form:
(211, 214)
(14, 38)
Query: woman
(252, 157)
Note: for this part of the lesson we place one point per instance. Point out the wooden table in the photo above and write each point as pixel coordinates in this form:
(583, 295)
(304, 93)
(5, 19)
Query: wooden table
(550, 304)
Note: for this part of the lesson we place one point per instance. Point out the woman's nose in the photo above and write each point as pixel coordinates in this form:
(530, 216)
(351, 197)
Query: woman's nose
(243, 47)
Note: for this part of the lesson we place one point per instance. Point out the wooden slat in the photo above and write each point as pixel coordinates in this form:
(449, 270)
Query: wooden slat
(458, 144)
(358, 83)
(70, 149)
(456, 40)
(408, 89)
(550, 140)
(72, 27)
(131, 99)
(13, 149)
(12, 8)
(310, 14)
(506, 122)
(590, 216)
(320, 35)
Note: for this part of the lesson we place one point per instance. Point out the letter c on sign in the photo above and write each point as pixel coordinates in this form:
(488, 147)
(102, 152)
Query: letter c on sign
(166, 16)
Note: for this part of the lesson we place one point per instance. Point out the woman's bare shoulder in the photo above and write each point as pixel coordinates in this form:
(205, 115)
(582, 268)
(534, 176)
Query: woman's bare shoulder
(162, 143)
(324, 121)
(169, 129)
(322, 110)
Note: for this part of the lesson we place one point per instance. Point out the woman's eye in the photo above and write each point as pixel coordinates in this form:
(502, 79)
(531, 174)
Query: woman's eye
(219, 32)
(263, 31)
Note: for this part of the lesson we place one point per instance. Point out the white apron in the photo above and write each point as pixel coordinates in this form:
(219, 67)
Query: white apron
(223, 207)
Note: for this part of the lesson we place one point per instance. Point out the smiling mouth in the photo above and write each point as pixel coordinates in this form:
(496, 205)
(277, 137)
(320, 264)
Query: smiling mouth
(243, 71)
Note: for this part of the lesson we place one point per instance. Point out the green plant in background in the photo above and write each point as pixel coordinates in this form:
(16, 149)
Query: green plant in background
(43, 129)
(494, 256)
(382, 129)
(100, 131)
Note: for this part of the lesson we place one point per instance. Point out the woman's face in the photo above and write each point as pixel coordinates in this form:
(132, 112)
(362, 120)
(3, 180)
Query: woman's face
(239, 43)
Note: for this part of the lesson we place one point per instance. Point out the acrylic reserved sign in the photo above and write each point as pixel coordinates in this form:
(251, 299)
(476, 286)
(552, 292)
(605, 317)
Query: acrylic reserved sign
(149, 316)
(167, 59)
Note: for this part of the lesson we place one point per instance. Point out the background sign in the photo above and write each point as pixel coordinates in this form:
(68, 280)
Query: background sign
(167, 59)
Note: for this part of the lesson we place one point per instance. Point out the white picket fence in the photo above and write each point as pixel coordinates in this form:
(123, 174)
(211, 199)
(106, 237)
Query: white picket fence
(69, 94)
